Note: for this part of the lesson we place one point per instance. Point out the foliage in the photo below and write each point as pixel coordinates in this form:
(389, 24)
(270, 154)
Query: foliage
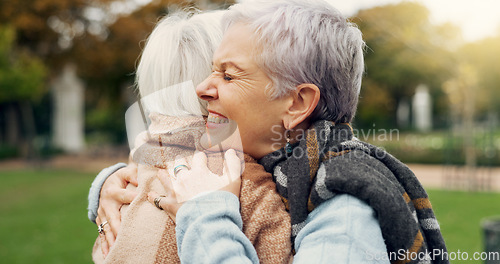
(8, 151)
(102, 37)
(437, 147)
(22, 83)
(22, 76)
(483, 56)
(404, 50)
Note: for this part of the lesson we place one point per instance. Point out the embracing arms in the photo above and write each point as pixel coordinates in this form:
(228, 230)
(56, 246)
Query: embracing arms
(106, 196)
(342, 230)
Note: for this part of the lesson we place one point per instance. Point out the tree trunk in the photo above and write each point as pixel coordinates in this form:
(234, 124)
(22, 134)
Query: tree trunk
(30, 130)
(12, 130)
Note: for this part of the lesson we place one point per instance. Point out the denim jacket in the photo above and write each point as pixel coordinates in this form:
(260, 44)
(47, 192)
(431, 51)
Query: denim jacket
(341, 230)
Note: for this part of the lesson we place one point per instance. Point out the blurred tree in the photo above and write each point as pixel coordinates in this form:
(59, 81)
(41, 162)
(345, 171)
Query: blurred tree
(21, 83)
(484, 56)
(108, 66)
(404, 50)
(100, 37)
(21, 75)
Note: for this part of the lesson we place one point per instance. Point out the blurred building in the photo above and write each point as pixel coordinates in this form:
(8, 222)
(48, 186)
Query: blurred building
(422, 109)
(68, 119)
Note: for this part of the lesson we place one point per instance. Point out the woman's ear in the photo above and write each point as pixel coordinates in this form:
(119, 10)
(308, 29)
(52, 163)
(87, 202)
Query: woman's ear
(305, 98)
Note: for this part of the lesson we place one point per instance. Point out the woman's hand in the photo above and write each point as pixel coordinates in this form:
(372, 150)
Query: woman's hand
(198, 179)
(113, 195)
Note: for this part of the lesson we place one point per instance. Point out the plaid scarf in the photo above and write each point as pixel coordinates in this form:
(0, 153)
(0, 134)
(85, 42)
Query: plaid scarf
(328, 160)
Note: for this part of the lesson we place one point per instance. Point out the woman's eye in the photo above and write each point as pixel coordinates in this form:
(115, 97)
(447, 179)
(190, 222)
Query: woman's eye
(227, 77)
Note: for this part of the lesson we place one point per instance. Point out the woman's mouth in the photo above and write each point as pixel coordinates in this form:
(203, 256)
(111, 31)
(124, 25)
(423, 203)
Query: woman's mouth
(215, 120)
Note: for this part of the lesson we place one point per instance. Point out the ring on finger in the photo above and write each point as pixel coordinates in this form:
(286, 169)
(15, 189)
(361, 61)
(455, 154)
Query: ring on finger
(157, 202)
(179, 168)
(100, 228)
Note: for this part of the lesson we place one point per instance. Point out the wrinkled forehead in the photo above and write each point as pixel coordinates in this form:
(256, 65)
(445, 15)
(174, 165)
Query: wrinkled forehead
(239, 45)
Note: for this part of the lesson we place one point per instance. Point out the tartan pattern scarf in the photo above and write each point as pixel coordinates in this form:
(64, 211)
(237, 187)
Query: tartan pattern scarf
(328, 160)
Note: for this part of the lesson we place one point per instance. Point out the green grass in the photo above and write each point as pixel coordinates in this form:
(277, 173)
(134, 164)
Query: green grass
(460, 214)
(43, 217)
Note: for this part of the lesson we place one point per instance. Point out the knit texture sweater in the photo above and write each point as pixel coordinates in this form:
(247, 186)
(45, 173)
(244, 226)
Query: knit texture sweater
(328, 161)
(147, 234)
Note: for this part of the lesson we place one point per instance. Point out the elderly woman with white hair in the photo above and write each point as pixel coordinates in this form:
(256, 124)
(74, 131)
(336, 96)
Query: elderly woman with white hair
(177, 56)
(289, 74)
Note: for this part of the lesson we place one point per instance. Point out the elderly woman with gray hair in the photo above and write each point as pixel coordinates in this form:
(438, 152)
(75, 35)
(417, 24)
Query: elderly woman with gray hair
(289, 74)
(178, 55)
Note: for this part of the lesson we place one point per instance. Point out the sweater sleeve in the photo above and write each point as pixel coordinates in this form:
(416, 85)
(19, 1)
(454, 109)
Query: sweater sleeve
(208, 230)
(265, 219)
(95, 189)
(341, 230)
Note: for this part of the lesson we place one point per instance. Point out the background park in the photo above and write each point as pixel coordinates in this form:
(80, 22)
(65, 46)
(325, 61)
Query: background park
(430, 96)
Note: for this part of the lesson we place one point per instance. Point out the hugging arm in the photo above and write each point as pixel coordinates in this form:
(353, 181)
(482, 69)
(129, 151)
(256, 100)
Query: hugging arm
(341, 230)
(209, 225)
(208, 230)
(208, 220)
(95, 189)
(106, 196)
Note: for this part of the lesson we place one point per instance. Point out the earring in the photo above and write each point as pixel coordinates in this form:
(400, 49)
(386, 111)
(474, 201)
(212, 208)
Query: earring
(288, 146)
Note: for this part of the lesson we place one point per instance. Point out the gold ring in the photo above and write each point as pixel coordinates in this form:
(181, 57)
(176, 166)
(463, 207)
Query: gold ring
(157, 201)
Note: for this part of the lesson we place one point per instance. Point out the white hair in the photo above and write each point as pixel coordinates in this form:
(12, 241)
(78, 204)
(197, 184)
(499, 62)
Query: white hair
(177, 57)
(306, 42)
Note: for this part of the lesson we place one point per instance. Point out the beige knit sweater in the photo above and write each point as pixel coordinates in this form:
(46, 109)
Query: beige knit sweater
(147, 234)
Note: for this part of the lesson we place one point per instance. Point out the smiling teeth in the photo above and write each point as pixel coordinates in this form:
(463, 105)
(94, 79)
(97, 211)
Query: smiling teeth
(217, 120)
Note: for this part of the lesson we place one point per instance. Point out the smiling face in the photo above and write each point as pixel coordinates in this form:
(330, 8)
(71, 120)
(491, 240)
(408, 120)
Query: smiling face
(236, 90)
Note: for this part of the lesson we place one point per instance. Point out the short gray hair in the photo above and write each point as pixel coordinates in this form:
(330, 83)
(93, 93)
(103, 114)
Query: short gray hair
(179, 50)
(306, 42)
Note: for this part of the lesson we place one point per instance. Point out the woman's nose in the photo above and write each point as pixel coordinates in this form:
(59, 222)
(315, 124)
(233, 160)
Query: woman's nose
(207, 90)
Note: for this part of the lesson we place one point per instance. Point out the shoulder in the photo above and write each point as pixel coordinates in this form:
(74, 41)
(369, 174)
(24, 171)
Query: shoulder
(344, 208)
(355, 171)
(341, 224)
(357, 161)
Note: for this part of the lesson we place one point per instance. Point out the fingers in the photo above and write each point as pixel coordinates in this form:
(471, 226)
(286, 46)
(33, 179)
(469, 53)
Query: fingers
(110, 209)
(109, 237)
(114, 220)
(124, 196)
(104, 245)
(180, 165)
(200, 161)
(165, 179)
(232, 173)
(166, 203)
(102, 237)
(131, 176)
(232, 165)
(111, 228)
(128, 174)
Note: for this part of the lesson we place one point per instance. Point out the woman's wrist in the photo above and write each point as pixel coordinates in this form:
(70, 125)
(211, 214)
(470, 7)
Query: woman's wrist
(210, 205)
(209, 202)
